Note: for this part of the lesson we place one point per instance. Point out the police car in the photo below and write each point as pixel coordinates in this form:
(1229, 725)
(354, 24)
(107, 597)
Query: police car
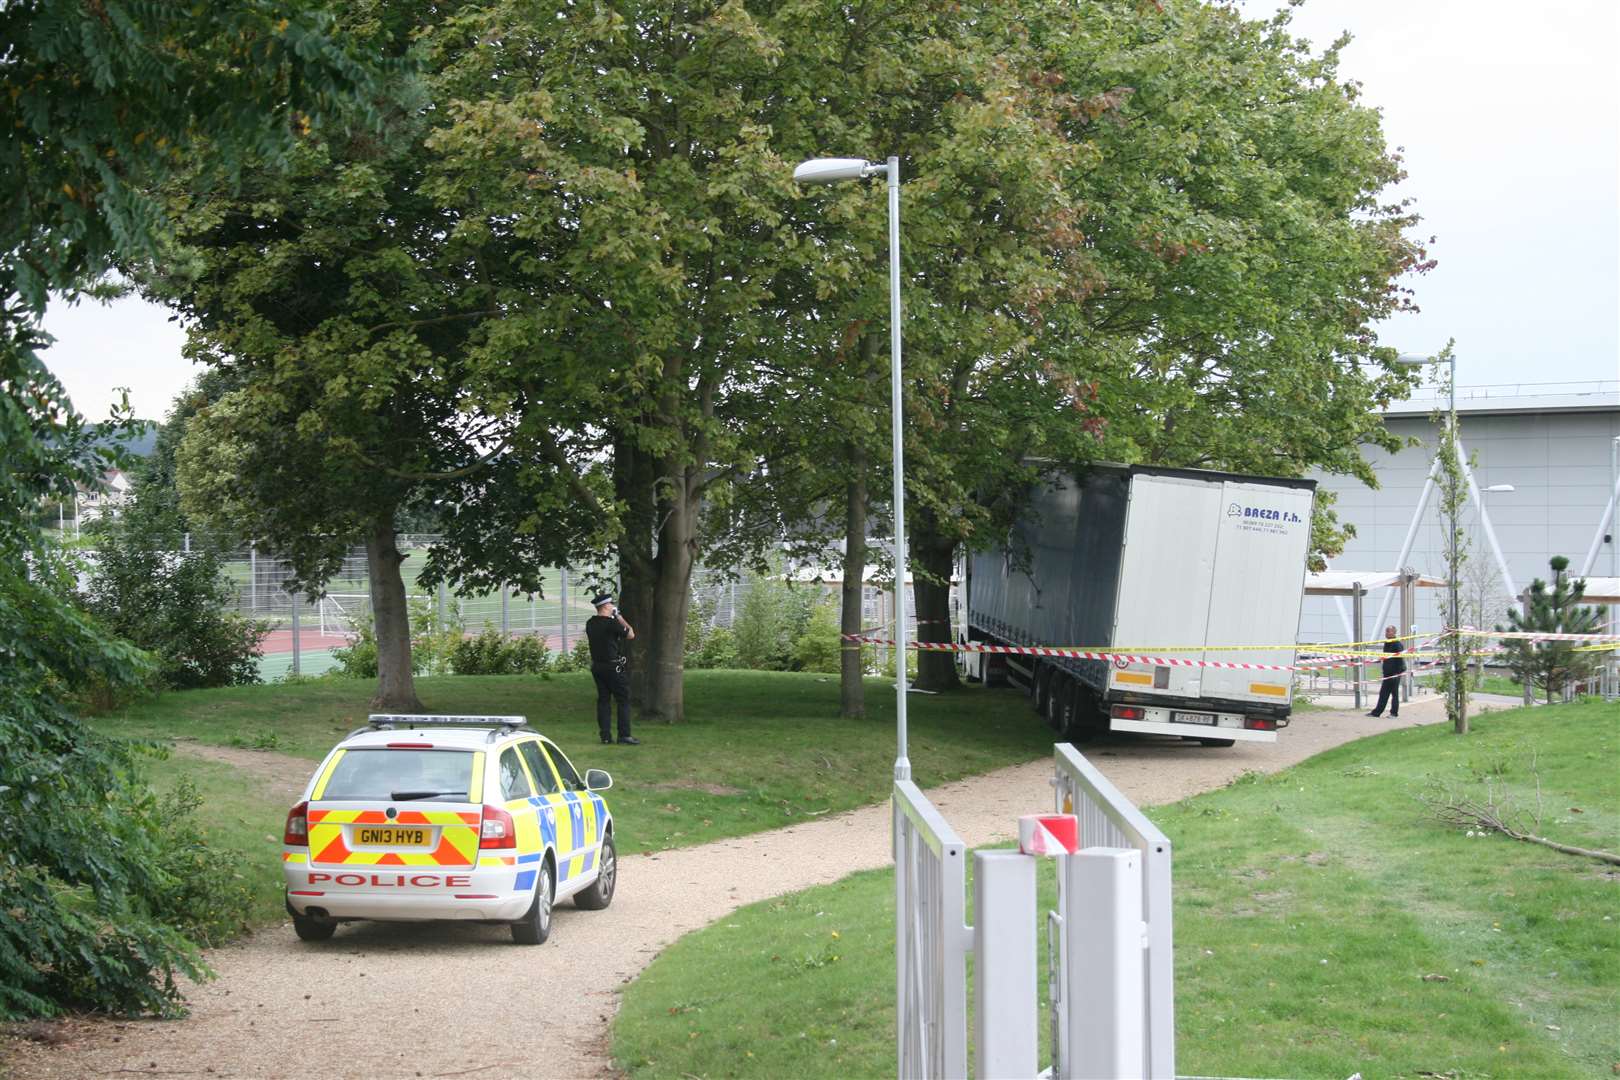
(447, 817)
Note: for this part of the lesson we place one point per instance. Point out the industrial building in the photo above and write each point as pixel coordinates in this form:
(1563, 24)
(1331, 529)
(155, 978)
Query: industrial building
(1544, 464)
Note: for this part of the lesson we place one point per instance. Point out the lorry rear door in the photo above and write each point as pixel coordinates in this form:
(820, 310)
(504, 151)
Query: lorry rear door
(1167, 569)
(1261, 540)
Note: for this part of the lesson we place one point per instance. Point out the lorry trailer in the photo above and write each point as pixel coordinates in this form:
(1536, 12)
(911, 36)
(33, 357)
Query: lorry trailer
(1155, 563)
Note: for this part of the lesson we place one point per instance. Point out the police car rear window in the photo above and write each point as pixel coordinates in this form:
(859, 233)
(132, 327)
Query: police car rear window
(401, 775)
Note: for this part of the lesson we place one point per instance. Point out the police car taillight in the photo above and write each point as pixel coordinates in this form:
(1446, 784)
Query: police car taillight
(296, 834)
(497, 830)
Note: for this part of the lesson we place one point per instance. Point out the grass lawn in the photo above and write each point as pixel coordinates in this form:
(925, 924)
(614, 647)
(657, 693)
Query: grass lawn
(758, 750)
(1310, 906)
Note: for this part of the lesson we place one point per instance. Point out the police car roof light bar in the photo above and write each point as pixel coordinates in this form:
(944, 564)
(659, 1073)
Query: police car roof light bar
(381, 721)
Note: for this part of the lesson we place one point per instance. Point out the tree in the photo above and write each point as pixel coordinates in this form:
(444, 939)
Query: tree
(101, 103)
(366, 325)
(1552, 666)
(1484, 603)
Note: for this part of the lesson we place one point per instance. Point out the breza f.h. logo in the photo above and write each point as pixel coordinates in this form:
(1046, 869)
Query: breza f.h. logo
(1262, 513)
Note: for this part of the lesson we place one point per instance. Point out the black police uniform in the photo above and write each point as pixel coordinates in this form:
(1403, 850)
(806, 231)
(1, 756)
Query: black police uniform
(608, 669)
(1389, 691)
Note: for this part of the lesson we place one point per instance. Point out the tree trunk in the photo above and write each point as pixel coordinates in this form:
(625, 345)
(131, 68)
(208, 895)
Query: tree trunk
(933, 557)
(677, 552)
(633, 485)
(396, 688)
(851, 690)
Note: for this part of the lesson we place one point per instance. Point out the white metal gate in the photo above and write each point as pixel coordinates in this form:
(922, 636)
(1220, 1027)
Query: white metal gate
(932, 941)
(1109, 820)
(1111, 966)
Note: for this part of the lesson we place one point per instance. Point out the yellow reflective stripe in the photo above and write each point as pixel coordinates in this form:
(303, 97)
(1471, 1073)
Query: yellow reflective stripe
(326, 774)
(295, 856)
(1133, 677)
(528, 830)
(475, 790)
(565, 823)
(576, 866)
(444, 817)
(1268, 688)
(341, 817)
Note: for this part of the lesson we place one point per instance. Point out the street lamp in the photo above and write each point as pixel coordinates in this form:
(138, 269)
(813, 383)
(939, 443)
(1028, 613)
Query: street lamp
(1451, 506)
(832, 171)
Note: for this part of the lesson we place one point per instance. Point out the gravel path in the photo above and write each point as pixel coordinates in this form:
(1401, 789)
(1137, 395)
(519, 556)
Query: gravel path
(444, 999)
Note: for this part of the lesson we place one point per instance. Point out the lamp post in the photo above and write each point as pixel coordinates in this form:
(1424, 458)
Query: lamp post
(832, 171)
(1458, 702)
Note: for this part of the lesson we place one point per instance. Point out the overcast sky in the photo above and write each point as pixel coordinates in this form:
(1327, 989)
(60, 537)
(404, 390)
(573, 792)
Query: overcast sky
(1509, 114)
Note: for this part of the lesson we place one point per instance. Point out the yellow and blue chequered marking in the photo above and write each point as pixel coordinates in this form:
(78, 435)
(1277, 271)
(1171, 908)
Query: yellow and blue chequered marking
(565, 822)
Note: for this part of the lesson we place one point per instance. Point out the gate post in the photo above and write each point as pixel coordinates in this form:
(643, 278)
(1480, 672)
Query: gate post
(1103, 991)
(1004, 978)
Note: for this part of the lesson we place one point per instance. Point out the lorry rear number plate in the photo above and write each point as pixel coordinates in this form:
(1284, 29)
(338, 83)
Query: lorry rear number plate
(392, 834)
(1207, 718)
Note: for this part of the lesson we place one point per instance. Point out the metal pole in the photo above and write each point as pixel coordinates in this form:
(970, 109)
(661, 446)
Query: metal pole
(1614, 562)
(253, 578)
(1356, 670)
(1455, 681)
(506, 614)
(902, 764)
(1408, 618)
(562, 594)
(295, 667)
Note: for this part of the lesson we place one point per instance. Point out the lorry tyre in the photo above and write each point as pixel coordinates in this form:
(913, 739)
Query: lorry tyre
(1085, 723)
(1057, 694)
(1042, 687)
(1217, 743)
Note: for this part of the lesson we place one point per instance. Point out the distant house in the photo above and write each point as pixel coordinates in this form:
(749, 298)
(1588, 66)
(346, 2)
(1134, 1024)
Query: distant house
(113, 496)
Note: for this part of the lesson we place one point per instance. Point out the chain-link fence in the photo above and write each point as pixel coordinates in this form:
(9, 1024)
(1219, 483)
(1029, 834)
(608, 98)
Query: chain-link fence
(304, 632)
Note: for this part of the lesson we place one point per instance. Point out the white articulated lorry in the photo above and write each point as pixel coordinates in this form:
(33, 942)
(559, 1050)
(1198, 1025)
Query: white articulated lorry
(1151, 562)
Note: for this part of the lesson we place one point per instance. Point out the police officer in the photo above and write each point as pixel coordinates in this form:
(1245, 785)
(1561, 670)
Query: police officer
(1394, 666)
(606, 630)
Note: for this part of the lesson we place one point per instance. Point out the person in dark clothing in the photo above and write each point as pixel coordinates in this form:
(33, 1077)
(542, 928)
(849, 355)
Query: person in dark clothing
(1389, 691)
(605, 631)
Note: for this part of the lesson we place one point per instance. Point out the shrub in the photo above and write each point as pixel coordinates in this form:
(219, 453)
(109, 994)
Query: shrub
(577, 659)
(490, 653)
(434, 638)
(358, 660)
(174, 605)
(818, 648)
(772, 616)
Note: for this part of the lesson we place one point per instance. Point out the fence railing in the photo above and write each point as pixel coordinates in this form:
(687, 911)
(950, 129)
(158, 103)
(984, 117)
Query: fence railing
(1109, 820)
(932, 940)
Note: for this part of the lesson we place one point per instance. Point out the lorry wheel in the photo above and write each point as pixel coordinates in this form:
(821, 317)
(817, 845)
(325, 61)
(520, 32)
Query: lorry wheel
(1042, 684)
(1086, 721)
(1057, 697)
(1217, 743)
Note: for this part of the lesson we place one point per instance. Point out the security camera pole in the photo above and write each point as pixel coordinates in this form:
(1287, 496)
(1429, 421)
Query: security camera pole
(831, 171)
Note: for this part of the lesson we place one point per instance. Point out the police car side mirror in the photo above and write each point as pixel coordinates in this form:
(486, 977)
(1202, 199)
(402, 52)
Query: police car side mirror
(597, 780)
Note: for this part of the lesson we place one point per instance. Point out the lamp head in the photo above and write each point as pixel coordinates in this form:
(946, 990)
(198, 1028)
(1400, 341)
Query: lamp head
(833, 170)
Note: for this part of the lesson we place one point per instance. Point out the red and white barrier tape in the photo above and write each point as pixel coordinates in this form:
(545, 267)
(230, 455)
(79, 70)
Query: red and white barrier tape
(1087, 654)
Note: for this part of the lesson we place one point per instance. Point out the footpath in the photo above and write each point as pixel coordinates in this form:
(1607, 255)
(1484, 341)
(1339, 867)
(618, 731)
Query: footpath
(453, 1000)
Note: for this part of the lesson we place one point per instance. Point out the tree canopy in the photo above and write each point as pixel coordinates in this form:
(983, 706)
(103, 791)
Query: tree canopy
(101, 102)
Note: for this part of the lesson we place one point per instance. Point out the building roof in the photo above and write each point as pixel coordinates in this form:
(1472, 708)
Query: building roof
(1591, 396)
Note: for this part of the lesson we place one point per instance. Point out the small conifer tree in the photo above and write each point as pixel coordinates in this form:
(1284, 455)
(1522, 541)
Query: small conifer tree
(1552, 665)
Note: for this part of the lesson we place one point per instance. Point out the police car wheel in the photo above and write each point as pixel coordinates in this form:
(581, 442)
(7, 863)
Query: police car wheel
(535, 926)
(600, 893)
(309, 929)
